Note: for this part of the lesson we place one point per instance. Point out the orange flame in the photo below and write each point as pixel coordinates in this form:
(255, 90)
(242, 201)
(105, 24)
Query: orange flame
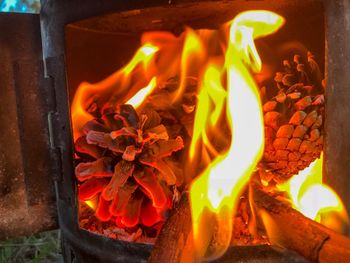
(141, 74)
(111, 87)
(314, 199)
(215, 193)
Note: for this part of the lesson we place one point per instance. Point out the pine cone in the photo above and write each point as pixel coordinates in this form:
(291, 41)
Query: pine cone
(126, 161)
(293, 120)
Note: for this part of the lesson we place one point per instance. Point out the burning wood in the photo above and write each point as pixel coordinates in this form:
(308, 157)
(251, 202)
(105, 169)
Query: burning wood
(291, 230)
(173, 238)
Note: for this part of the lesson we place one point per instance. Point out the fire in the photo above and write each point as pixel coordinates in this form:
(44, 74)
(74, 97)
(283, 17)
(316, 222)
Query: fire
(228, 131)
(140, 96)
(192, 52)
(92, 203)
(314, 199)
(136, 80)
(215, 193)
(115, 85)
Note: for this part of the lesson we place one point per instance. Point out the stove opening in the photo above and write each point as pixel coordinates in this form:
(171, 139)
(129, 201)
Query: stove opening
(214, 98)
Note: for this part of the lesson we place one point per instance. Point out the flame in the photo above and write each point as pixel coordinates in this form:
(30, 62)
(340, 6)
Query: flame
(143, 55)
(193, 51)
(228, 133)
(140, 96)
(211, 89)
(92, 203)
(312, 198)
(112, 87)
(215, 193)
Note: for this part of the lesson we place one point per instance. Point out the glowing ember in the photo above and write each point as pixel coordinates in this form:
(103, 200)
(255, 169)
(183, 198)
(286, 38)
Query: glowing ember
(312, 198)
(214, 195)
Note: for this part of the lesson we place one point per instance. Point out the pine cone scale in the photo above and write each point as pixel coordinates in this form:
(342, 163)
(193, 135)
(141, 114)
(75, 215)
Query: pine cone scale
(293, 122)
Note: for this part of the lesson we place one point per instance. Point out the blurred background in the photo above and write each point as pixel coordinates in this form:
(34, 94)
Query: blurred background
(26, 6)
(42, 247)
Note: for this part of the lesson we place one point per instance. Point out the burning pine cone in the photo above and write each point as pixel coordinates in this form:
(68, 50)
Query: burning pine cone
(293, 120)
(126, 162)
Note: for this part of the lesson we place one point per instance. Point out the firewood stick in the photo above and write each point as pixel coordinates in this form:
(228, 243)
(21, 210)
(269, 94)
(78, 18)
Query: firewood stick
(259, 253)
(175, 234)
(289, 228)
(286, 227)
(174, 244)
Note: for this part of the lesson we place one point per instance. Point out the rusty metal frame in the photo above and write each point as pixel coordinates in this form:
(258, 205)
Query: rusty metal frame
(26, 188)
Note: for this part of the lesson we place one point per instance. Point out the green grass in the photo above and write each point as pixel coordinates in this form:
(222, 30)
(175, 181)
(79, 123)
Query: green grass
(42, 247)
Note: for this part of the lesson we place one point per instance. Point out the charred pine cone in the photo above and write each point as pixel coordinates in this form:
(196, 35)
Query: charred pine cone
(293, 120)
(126, 162)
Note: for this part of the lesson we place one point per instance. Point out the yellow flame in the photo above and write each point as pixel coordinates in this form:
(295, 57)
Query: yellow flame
(92, 203)
(140, 96)
(192, 53)
(143, 55)
(312, 198)
(215, 193)
(208, 114)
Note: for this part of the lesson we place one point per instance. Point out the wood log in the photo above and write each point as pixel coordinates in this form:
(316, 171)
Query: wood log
(174, 244)
(289, 228)
(286, 228)
(173, 239)
(261, 254)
